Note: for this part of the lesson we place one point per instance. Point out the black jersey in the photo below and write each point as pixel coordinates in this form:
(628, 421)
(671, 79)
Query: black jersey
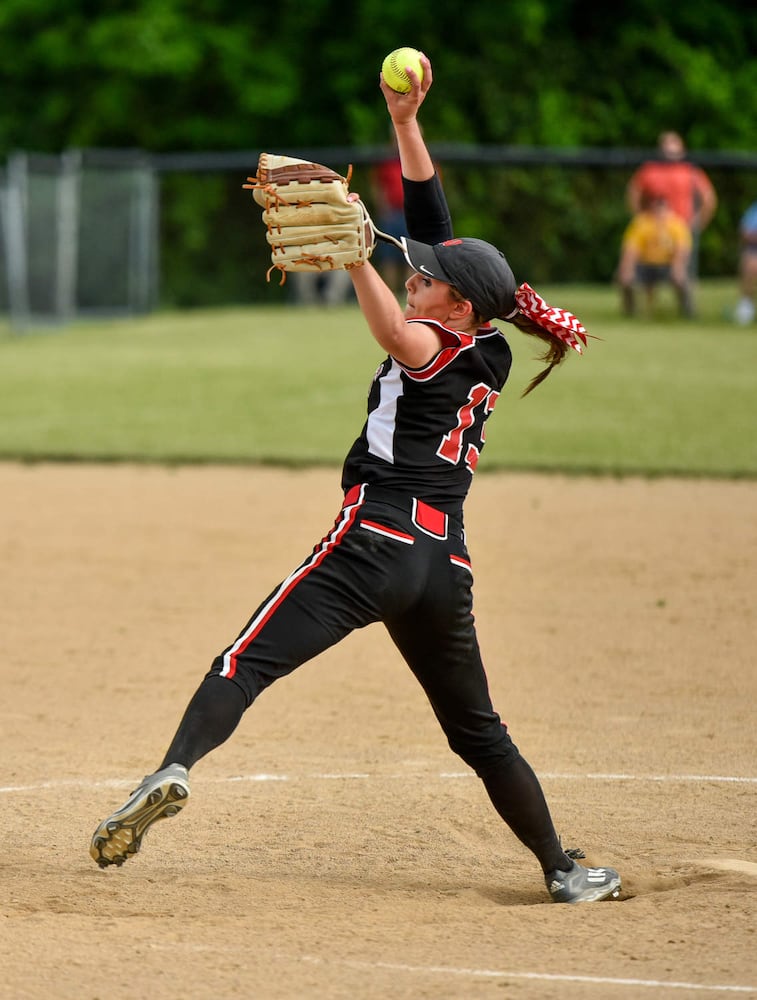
(425, 426)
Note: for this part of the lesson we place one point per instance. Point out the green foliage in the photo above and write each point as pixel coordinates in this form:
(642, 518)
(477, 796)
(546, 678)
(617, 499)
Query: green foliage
(662, 396)
(166, 75)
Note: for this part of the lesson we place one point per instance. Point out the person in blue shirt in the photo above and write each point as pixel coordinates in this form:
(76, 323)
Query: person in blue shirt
(745, 309)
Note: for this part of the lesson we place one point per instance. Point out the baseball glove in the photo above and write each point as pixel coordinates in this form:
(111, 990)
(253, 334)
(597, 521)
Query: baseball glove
(310, 224)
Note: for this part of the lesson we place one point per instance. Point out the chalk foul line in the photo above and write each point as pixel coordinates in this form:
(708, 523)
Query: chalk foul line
(447, 970)
(396, 776)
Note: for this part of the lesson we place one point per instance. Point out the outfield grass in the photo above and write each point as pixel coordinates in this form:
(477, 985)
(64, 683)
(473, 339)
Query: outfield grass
(288, 385)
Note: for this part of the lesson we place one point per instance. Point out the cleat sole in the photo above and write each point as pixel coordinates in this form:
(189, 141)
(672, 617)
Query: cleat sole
(120, 836)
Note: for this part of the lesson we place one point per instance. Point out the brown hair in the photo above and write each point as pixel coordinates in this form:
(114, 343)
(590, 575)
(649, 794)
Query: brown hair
(556, 349)
(555, 352)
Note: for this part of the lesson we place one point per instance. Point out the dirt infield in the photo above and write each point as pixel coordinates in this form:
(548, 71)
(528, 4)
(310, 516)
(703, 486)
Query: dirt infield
(334, 847)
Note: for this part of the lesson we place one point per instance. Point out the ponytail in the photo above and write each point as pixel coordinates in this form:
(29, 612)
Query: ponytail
(557, 328)
(555, 352)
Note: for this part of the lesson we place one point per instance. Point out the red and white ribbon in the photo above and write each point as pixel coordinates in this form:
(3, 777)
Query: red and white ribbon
(560, 322)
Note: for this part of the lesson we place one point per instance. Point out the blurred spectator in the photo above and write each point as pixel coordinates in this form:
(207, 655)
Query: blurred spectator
(328, 288)
(389, 216)
(745, 309)
(655, 248)
(686, 187)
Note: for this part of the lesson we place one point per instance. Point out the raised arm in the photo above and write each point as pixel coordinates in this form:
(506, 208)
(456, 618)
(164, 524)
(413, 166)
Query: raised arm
(427, 217)
(426, 211)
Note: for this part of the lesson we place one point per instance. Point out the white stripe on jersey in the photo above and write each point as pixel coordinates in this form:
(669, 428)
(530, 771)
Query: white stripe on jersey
(383, 420)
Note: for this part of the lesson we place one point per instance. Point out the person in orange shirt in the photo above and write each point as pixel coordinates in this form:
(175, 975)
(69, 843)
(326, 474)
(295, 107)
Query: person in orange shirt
(686, 187)
(655, 248)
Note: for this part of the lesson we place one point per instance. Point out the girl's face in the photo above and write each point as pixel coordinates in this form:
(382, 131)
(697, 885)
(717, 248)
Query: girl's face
(428, 297)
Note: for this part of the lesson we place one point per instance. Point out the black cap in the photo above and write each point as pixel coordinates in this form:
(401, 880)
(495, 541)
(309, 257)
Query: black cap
(478, 270)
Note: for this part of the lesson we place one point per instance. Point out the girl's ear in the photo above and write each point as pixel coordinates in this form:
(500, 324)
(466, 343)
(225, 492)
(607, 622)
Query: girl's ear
(461, 309)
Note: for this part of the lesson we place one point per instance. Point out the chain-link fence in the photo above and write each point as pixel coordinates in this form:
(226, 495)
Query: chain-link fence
(79, 236)
(120, 232)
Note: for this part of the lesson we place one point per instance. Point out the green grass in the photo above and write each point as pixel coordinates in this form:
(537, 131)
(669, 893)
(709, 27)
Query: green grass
(657, 396)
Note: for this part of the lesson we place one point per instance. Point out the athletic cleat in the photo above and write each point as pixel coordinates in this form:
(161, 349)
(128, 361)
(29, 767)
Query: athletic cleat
(583, 885)
(159, 796)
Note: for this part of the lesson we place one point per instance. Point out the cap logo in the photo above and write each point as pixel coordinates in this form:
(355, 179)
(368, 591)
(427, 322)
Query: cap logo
(425, 269)
(451, 243)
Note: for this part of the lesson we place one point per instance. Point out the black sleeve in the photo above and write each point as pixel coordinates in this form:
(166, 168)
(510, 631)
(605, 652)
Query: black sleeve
(426, 211)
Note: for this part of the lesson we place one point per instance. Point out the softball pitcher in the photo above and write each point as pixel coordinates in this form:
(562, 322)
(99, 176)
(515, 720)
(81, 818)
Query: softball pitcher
(396, 552)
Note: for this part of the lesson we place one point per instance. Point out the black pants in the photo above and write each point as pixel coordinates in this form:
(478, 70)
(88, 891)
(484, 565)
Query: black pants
(401, 563)
(392, 559)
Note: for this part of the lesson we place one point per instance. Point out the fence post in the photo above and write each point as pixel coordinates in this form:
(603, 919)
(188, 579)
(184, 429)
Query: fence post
(14, 224)
(143, 240)
(67, 235)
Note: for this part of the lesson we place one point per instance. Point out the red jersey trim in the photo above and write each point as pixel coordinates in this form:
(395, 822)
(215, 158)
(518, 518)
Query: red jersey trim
(343, 523)
(456, 342)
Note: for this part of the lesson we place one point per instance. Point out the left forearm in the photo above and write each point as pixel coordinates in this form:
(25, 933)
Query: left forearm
(412, 344)
(379, 306)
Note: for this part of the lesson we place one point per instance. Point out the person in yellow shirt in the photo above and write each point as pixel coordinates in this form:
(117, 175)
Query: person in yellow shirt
(655, 248)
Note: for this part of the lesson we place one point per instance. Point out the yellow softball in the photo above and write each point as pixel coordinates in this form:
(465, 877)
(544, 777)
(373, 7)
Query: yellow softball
(393, 68)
